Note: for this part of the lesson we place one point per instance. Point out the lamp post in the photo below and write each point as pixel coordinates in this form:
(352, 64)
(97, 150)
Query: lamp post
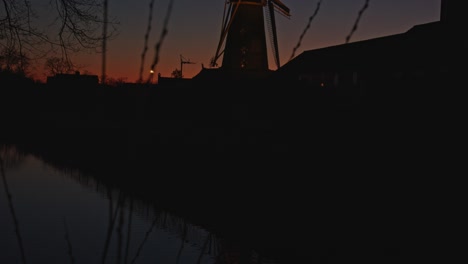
(151, 77)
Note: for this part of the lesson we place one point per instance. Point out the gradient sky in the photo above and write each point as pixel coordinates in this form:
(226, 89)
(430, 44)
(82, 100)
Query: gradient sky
(194, 31)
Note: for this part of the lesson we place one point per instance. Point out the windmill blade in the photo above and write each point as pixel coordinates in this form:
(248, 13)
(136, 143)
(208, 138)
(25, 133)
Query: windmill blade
(271, 9)
(281, 7)
(228, 16)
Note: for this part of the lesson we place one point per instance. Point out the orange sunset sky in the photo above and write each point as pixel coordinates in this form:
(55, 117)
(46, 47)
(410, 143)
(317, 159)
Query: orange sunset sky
(194, 31)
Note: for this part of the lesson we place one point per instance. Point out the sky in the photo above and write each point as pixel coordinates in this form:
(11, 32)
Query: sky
(194, 31)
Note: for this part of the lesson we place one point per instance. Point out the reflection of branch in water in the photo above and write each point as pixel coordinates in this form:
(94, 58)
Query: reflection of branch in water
(130, 213)
(187, 232)
(12, 210)
(144, 239)
(67, 238)
(119, 232)
(112, 217)
(184, 234)
(165, 220)
(202, 251)
(356, 23)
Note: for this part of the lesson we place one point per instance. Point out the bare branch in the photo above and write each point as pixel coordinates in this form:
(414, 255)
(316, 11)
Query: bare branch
(356, 23)
(76, 28)
(311, 18)
(161, 39)
(145, 48)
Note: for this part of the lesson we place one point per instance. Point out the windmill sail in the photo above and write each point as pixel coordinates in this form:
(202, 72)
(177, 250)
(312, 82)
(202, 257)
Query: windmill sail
(272, 6)
(281, 7)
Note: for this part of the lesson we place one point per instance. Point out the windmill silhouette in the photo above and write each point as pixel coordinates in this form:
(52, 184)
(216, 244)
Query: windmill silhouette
(243, 35)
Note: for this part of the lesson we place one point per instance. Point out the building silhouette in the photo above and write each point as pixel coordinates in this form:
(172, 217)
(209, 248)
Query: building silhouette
(387, 65)
(75, 80)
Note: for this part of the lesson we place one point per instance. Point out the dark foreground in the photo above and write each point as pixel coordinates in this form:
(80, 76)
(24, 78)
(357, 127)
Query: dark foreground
(295, 172)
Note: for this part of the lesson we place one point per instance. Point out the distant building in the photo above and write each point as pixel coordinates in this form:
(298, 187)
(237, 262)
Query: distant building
(419, 56)
(171, 81)
(75, 80)
(419, 50)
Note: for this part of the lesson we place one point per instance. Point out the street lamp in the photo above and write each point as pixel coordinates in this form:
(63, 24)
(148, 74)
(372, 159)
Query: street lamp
(152, 74)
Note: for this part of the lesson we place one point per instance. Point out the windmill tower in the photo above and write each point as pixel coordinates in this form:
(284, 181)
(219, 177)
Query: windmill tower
(243, 35)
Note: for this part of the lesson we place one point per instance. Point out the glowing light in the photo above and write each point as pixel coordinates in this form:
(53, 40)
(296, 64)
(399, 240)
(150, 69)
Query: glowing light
(151, 71)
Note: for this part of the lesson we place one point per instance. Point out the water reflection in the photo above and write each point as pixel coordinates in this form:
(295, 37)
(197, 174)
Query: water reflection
(48, 217)
(10, 158)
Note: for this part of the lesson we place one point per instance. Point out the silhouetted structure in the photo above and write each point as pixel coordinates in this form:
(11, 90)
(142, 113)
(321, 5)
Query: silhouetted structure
(171, 81)
(421, 56)
(451, 11)
(245, 52)
(76, 79)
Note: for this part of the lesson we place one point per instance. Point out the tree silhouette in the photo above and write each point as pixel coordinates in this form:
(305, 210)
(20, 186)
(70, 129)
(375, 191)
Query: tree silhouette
(75, 27)
(176, 73)
(55, 65)
(13, 61)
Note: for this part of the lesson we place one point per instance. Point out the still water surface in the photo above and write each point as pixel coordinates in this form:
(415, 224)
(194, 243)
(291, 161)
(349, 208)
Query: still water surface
(51, 215)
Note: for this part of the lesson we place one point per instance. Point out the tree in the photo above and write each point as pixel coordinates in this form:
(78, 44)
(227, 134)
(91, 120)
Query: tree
(76, 26)
(176, 73)
(56, 65)
(115, 82)
(12, 61)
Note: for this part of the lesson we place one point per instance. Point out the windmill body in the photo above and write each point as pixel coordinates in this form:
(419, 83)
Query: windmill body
(243, 41)
(246, 47)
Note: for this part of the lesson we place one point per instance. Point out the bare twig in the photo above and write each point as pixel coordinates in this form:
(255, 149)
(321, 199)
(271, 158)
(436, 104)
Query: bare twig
(356, 23)
(311, 18)
(161, 39)
(77, 24)
(145, 48)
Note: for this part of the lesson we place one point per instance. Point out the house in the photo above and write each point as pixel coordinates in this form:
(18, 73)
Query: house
(385, 66)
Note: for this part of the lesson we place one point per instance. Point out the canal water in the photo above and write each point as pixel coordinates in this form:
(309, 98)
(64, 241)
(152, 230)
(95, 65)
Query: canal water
(53, 212)
(52, 215)
(57, 207)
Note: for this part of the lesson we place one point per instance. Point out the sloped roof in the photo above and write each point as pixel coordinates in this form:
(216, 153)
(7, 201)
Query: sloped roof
(382, 51)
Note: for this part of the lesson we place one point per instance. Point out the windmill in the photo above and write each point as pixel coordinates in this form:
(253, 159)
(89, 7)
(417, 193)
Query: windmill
(243, 34)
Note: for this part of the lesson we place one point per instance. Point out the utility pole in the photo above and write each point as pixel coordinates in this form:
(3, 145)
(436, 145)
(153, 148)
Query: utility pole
(104, 43)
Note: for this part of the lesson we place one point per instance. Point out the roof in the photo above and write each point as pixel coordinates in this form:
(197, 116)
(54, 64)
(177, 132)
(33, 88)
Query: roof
(385, 51)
